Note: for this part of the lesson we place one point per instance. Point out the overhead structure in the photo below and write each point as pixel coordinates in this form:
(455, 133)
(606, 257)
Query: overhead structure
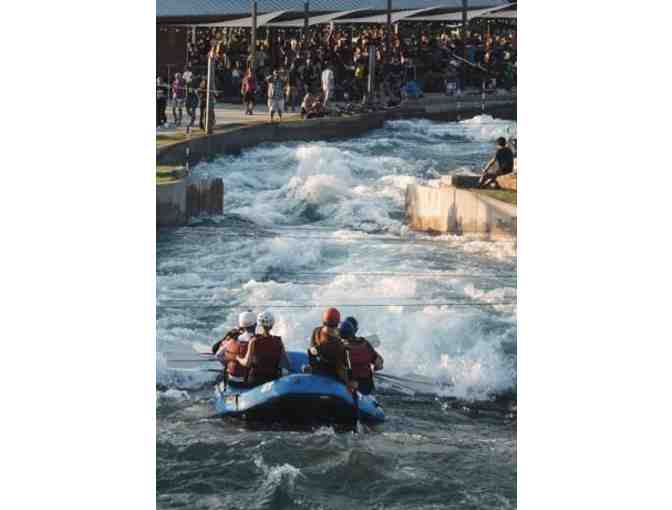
(175, 11)
(382, 18)
(501, 13)
(456, 17)
(315, 20)
(247, 22)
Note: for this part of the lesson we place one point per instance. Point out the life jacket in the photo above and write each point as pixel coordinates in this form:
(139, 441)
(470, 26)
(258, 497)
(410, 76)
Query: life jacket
(232, 349)
(361, 358)
(249, 85)
(234, 333)
(267, 354)
(325, 361)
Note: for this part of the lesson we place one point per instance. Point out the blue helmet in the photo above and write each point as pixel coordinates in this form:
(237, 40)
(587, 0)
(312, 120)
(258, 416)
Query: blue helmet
(347, 330)
(354, 323)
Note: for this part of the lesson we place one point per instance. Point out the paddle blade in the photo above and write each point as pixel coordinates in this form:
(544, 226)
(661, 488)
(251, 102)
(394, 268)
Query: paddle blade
(374, 341)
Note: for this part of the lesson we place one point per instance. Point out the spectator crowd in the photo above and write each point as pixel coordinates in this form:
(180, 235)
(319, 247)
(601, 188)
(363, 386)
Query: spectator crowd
(293, 73)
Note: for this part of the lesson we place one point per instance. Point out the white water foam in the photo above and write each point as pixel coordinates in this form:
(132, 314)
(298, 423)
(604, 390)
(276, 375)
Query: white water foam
(327, 203)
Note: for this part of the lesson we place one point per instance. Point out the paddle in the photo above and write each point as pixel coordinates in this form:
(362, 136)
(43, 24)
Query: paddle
(203, 360)
(194, 370)
(402, 379)
(373, 340)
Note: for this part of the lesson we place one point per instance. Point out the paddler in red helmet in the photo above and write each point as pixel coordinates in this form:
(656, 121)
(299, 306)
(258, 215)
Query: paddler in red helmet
(327, 353)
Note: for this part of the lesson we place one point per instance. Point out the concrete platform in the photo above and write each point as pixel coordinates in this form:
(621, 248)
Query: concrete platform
(448, 209)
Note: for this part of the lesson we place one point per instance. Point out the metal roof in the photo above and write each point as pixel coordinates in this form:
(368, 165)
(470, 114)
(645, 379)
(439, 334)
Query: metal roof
(315, 20)
(507, 12)
(193, 8)
(457, 16)
(262, 19)
(394, 17)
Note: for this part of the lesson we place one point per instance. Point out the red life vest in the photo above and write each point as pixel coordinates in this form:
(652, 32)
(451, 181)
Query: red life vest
(267, 354)
(361, 358)
(232, 349)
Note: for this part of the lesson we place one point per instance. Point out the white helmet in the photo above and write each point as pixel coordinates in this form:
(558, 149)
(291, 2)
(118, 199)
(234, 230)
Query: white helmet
(247, 319)
(266, 319)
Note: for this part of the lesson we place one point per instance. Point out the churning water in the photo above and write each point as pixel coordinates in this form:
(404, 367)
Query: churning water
(323, 224)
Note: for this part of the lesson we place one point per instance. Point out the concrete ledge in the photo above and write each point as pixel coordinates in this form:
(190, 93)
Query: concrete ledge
(171, 203)
(509, 181)
(235, 140)
(178, 201)
(459, 211)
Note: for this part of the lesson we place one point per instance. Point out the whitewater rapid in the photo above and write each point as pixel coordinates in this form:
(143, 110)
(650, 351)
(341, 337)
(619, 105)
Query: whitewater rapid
(323, 224)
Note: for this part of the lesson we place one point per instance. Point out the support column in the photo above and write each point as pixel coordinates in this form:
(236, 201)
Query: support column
(306, 11)
(388, 32)
(372, 72)
(253, 38)
(465, 23)
(210, 100)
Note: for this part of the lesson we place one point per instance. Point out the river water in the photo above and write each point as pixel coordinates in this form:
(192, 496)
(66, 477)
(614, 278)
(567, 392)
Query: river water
(310, 225)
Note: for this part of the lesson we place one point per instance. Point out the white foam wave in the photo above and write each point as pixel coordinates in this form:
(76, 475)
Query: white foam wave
(278, 475)
(350, 193)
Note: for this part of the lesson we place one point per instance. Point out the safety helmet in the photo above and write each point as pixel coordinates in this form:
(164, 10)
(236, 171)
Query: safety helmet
(331, 317)
(347, 330)
(354, 323)
(266, 319)
(247, 319)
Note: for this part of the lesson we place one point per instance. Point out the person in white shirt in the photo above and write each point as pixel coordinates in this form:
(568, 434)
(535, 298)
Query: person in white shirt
(187, 75)
(327, 84)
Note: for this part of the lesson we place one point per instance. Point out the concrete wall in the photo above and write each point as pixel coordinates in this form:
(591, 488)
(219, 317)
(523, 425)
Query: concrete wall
(178, 201)
(235, 140)
(459, 211)
(171, 203)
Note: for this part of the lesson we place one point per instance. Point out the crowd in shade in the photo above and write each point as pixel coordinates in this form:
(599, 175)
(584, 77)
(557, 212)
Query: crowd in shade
(334, 65)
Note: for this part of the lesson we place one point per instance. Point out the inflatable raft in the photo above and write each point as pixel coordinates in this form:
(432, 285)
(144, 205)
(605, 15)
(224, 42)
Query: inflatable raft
(298, 398)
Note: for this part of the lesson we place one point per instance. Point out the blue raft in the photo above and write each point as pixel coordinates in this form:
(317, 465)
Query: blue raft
(298, 398)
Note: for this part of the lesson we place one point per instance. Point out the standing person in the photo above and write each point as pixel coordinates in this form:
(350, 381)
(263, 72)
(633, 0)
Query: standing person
(179, 94)
(276, 95)
(327, 354)
(327, 84)
(265, 353)
(187, 75)
(361, 74)
(161, 101)
(248, 89)
(504, 159)
(192, 101)
(292, 87)
(362, 356)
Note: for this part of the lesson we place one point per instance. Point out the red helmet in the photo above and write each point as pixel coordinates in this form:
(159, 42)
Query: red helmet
(331, 317)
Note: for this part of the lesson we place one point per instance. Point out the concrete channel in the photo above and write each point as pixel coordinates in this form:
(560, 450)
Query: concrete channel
(182, 199)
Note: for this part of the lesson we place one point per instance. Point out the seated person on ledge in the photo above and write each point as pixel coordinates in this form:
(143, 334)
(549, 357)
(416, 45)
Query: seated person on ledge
(311, 107)
(503, 158)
